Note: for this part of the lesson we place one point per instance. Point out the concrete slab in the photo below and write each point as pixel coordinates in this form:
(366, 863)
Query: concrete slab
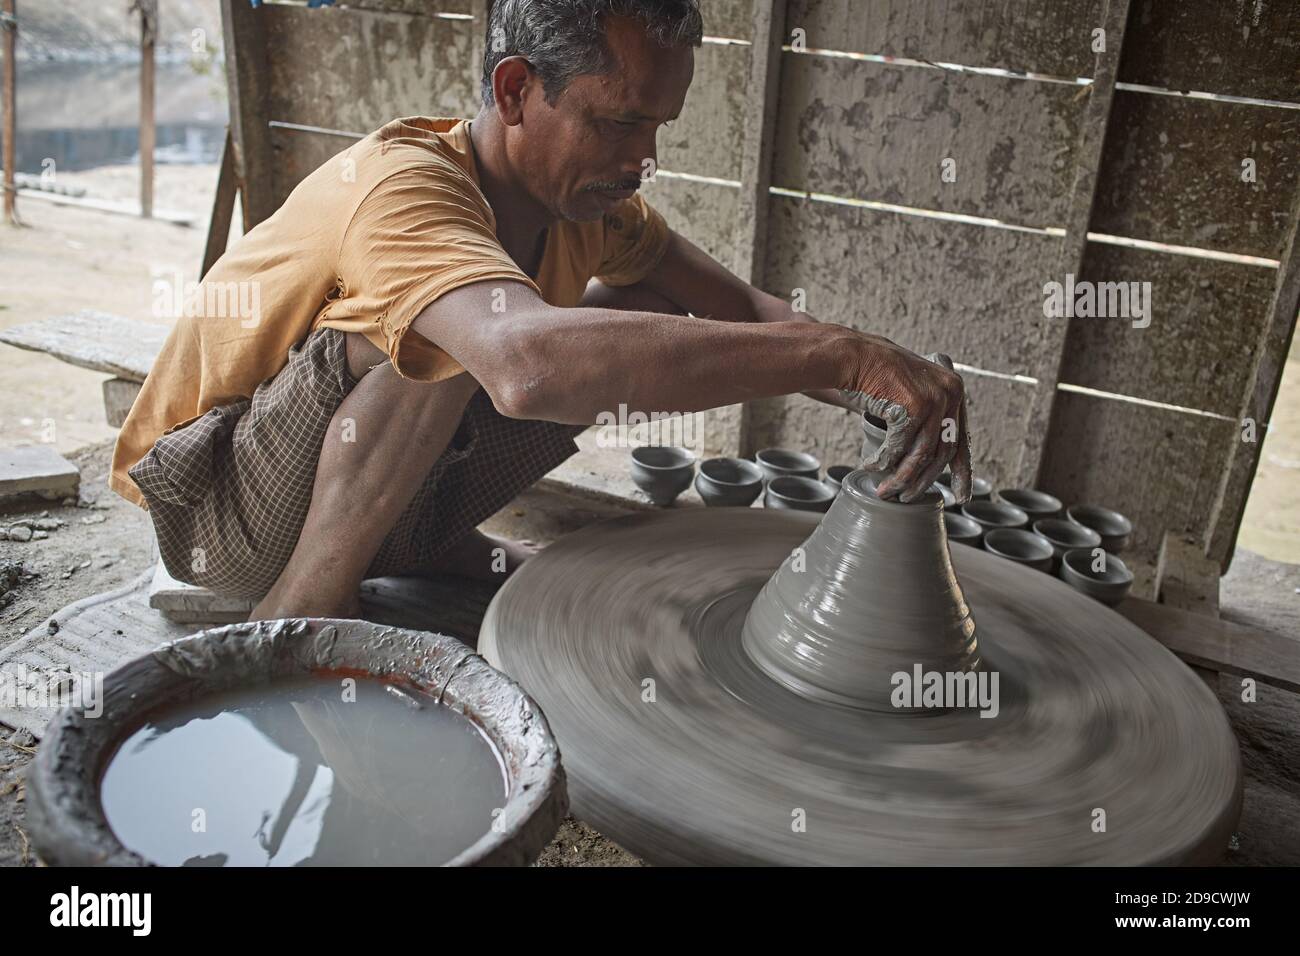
(37, 470)
(186, 604)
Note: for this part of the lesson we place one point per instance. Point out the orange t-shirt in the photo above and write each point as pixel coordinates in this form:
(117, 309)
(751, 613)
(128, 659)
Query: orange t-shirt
(363, 244)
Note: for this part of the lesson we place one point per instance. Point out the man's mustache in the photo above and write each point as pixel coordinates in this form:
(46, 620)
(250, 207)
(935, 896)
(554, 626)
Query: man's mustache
(610, 185)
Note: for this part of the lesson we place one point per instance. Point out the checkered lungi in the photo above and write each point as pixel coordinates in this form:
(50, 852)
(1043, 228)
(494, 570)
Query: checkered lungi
(229, 491)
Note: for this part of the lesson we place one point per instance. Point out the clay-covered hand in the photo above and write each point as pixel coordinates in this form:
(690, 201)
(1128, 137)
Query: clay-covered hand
(923, 404)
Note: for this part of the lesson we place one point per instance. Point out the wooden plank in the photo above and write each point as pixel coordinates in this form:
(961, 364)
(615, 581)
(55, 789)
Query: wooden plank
(9, 109)
(247, 78)
(1219, 645)
(1159, 467)
(423, 8)
(148, 10)
(119, 396)
(881, 132)
(1185, 577)
(973, 292)
(223, 208)
(1200, 346)
(759, 117)
(1257, 403)
(708, 139)
(1050, 345)
(187, 604)
(1172, 172)
(355, 70)
(1238, 48)
(1052, 38)
(99, 341)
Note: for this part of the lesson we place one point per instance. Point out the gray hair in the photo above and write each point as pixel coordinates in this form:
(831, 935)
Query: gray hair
(563, 39)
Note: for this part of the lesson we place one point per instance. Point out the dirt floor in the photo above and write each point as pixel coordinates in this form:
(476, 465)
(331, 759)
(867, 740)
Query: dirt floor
(68, 259)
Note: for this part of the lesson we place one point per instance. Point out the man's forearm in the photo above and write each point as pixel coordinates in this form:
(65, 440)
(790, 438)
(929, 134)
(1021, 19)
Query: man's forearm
(569, 365)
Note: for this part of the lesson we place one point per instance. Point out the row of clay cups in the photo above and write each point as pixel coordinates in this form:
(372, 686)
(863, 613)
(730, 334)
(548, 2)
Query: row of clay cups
(1071, 551)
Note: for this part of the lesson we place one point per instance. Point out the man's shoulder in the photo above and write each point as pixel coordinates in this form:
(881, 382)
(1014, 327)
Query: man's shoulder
(418, 141)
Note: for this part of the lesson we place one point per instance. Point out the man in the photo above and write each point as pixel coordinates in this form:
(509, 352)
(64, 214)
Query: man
(428, 339)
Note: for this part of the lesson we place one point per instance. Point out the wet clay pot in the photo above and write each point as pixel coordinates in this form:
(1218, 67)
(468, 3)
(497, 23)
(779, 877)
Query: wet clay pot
(1066, 536)
(68, 826)
(995, 514)
(869, 594)
(836, 474)
(1116, 530)
(1110, 584)
(962, 530)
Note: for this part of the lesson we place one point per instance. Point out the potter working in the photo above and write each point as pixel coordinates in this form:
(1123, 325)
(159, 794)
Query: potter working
(479, 293)
(671, 433)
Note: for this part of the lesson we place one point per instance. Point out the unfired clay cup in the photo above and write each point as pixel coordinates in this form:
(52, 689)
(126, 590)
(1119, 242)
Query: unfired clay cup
(1023, 547)
(962, 530)
(1109, 586)
(1115, 529)
(779, 462)
(662, 471)
(836, 474)
(995, 514)
(796, 493)
(1037, 504)
(1065, 536)
(946, 493)
(729, 482)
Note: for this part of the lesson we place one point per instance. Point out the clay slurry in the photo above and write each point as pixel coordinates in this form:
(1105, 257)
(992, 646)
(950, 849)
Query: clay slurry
(304, 772)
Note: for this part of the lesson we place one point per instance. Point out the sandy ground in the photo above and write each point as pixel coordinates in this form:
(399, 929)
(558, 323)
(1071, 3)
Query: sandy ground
(67, 259)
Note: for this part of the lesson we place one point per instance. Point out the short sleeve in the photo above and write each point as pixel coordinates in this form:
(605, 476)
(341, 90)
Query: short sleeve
(417, 235)
(635, 239)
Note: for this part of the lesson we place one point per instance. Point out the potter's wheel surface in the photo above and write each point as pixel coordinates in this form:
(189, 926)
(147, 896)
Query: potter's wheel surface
(722, 766)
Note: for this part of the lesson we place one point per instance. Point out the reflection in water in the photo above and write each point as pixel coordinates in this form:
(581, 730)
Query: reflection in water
(295, 774)
(82, 115)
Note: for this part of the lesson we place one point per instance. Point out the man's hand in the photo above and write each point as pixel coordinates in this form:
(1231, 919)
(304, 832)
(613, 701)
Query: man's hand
(923, 405)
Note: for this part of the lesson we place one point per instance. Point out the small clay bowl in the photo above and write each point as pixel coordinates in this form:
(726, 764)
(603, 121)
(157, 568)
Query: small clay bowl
(1114, 528)
(729, 482)
(1037, 504)
(1066, 536)
(1023, 547)
(797, 493)
(963, 530)
(995, 514)
(1109, 586)
(836, 474)
(779, 462)
(662, 471)
(980, 488)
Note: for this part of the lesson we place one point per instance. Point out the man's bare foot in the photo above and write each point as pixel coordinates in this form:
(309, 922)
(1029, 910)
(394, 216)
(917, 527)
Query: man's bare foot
(485, 557)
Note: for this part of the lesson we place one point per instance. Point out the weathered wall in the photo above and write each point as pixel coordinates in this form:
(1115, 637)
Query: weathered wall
(863, 223)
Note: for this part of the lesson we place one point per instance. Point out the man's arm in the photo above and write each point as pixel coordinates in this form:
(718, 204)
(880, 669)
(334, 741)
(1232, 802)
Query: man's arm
(537, 361)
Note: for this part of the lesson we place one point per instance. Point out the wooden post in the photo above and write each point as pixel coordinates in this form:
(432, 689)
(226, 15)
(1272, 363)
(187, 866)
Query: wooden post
(756, 163)
(1257, 403)
(9, 27)
(246, 79)
(148, 134)
(1092, 140)
(223, 208)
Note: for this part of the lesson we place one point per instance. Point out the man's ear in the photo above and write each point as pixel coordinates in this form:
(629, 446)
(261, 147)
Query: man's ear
(509, 80)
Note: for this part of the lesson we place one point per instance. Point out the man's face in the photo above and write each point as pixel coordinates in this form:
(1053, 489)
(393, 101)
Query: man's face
(585, 154)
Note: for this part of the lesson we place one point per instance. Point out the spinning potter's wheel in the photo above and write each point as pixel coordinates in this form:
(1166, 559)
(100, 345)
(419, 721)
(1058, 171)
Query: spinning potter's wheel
(769, 733)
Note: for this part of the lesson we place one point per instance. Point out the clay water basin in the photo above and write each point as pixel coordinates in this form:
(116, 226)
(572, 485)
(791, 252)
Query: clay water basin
(300, 742)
